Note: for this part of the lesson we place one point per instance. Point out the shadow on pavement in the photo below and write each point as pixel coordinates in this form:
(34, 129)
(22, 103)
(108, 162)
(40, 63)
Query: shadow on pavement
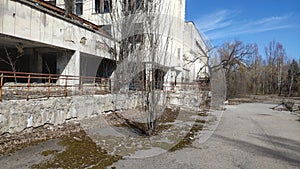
(281, 142)
(286, 145)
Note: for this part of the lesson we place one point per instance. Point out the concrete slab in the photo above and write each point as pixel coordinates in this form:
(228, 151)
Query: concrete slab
(1, 15)
(22, 22)
(9, 17)
(35, 27)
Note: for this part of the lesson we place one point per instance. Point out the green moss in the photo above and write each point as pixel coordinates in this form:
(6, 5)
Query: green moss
(188, 139)
(81, 152)
(169, 116)
(49, 152)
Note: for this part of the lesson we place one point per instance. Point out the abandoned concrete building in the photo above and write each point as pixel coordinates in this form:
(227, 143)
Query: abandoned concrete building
(95, 49)
(93, 37)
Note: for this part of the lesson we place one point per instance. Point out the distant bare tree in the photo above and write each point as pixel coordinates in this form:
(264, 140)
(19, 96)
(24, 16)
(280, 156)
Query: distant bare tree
(276, 55)
(256, 73)
(293, 73)
(235, 58)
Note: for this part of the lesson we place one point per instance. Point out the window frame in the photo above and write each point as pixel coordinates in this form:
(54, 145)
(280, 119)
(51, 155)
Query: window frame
(102, 6)
(79, 5)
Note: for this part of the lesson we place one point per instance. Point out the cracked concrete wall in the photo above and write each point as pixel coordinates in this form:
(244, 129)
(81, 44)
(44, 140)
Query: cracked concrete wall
(188, 99)
(18, 115)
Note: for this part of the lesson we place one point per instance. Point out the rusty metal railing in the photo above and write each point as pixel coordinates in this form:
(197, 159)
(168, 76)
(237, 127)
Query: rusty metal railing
(21, 85)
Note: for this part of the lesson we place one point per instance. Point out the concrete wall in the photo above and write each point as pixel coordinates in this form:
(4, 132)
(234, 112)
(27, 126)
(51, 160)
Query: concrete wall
(188, 99)
(18, 115)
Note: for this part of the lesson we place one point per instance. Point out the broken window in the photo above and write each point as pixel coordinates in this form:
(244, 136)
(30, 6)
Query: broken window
(103, 6)
(79, 7)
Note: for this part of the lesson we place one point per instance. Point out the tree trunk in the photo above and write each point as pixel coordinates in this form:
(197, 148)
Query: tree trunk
(291, 85)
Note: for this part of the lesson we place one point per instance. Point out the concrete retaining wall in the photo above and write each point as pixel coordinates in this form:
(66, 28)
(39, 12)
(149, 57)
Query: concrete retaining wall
(17, 115)
(188, 99)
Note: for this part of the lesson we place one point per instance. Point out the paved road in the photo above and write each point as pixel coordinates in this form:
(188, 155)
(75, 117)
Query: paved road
(248, 136)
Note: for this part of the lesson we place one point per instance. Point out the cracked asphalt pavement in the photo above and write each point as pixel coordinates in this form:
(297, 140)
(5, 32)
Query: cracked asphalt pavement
(248, 136)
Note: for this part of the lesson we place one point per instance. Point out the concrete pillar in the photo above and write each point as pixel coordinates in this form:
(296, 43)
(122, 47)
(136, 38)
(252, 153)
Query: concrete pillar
(168, 79)
(179, 77)
(179, 80)
(187, 75)
(68, 64)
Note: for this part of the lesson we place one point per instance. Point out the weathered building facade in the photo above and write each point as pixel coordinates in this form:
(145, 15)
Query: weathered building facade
(92, 37)
(130, 41)
(49, 42)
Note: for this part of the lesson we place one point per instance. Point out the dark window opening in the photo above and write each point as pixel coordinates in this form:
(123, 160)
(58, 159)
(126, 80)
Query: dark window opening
(133, 5)
(107, 6)
(52, 2)
(159, 79)
(79, 7)
(103, 6)
(97, 6)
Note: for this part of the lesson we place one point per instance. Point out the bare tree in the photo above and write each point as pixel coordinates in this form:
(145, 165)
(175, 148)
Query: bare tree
(144, 44)
(235, 58)
(293, 73)
(12, 59)
(255, 71)
(276, 55)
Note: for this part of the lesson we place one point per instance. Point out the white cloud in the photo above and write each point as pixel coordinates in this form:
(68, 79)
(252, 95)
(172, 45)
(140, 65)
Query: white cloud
(225, 23)
(217, 20)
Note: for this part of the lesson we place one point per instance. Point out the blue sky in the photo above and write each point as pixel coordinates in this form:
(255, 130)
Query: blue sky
(251, 21)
